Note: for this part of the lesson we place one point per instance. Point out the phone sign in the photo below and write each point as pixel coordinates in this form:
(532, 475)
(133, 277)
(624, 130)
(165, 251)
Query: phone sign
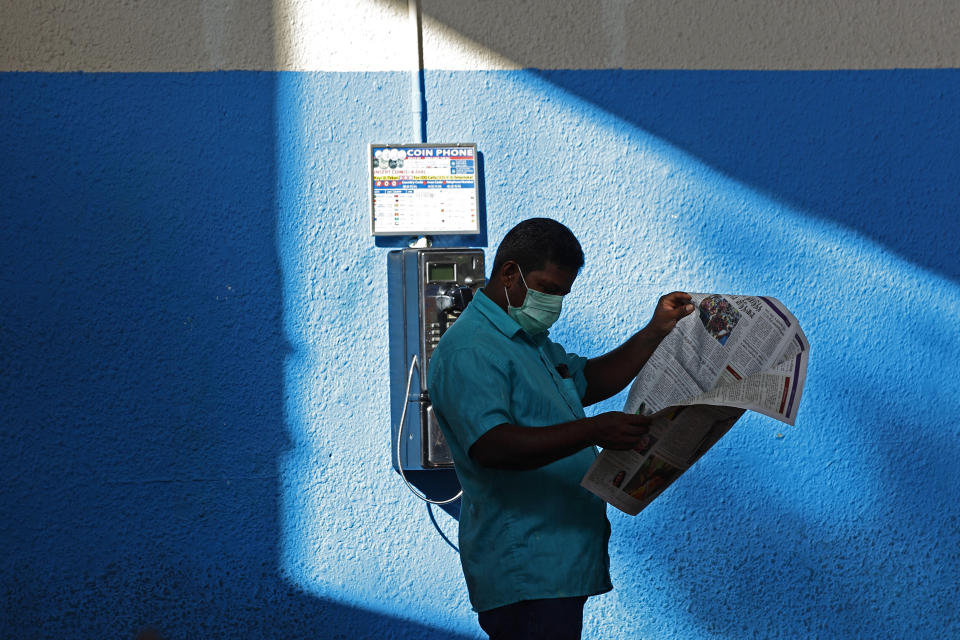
(423, 189)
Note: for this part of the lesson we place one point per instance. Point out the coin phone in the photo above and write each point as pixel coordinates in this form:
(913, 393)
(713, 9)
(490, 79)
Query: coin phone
(428, 289)
(420, 195)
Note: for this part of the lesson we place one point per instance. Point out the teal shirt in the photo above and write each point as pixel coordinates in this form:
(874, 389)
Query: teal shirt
(523, 534)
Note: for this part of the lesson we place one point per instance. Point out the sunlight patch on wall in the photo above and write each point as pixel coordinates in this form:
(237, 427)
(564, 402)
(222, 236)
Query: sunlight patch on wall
(368, 35)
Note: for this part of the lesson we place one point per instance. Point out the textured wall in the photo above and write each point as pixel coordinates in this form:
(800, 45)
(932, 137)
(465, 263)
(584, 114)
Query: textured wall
(373, 35)
(195, 416)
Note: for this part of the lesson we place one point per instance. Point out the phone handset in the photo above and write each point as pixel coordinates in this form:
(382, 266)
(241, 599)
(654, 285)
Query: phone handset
(452, 299)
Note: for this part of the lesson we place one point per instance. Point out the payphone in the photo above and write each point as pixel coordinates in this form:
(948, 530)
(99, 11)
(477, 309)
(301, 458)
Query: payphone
(427, 289)
(419, 192)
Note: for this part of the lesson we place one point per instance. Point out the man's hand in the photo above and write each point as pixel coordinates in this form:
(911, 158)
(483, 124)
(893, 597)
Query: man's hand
(617, 430)
(670, 309)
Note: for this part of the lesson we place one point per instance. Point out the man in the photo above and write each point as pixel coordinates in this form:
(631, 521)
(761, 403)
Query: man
(533, 542)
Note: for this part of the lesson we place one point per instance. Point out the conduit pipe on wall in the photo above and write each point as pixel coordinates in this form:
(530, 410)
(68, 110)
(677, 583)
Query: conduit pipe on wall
(417, 99)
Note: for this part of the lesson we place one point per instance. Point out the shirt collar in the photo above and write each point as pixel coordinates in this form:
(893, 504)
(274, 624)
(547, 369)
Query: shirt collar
(501, 319)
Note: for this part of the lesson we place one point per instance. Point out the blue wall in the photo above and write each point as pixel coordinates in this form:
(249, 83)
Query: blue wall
(195, 406)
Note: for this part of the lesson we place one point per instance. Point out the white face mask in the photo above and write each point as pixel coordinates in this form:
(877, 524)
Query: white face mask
(539, 310)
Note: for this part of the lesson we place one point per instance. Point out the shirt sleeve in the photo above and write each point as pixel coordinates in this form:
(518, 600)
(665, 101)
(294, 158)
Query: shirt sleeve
(470, 392)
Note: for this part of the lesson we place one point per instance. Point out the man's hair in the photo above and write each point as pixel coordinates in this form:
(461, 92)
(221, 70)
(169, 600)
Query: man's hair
(535, 242)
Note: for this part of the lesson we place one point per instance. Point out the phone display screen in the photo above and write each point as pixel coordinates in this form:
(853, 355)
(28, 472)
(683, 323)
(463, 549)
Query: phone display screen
(441, 272)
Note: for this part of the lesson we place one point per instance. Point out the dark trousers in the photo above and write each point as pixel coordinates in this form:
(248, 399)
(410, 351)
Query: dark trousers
(549, 619)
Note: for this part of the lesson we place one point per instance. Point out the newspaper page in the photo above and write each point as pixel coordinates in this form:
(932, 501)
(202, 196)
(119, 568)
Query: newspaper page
(733, 353)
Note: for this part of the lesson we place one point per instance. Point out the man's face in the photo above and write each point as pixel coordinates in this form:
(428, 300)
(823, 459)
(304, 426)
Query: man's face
(550, 278)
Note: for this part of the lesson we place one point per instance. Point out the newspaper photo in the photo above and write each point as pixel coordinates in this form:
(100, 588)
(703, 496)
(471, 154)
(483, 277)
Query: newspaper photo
(732, 354)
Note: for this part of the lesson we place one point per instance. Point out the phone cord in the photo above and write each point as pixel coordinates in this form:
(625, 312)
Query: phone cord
(403, 419)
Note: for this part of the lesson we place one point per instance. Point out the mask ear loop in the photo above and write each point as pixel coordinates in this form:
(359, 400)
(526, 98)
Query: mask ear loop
(522, 279)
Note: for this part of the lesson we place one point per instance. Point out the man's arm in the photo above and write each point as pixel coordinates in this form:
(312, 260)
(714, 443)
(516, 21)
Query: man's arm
(509, 446)
(608, 374)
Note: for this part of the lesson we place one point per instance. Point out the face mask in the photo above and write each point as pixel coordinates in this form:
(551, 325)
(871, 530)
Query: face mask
(538, 312)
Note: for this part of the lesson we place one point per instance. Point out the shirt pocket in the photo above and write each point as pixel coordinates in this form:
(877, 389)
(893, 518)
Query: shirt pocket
(565, 396)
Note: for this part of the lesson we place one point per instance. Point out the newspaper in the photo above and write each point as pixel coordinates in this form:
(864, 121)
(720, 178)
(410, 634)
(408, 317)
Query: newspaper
(732, 354)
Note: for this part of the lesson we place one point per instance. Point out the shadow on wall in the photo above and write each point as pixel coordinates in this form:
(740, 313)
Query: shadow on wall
(872, 150)
(142, 363)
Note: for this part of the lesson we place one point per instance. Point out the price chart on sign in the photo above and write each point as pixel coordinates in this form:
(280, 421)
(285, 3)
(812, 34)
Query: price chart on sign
(423, 189)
